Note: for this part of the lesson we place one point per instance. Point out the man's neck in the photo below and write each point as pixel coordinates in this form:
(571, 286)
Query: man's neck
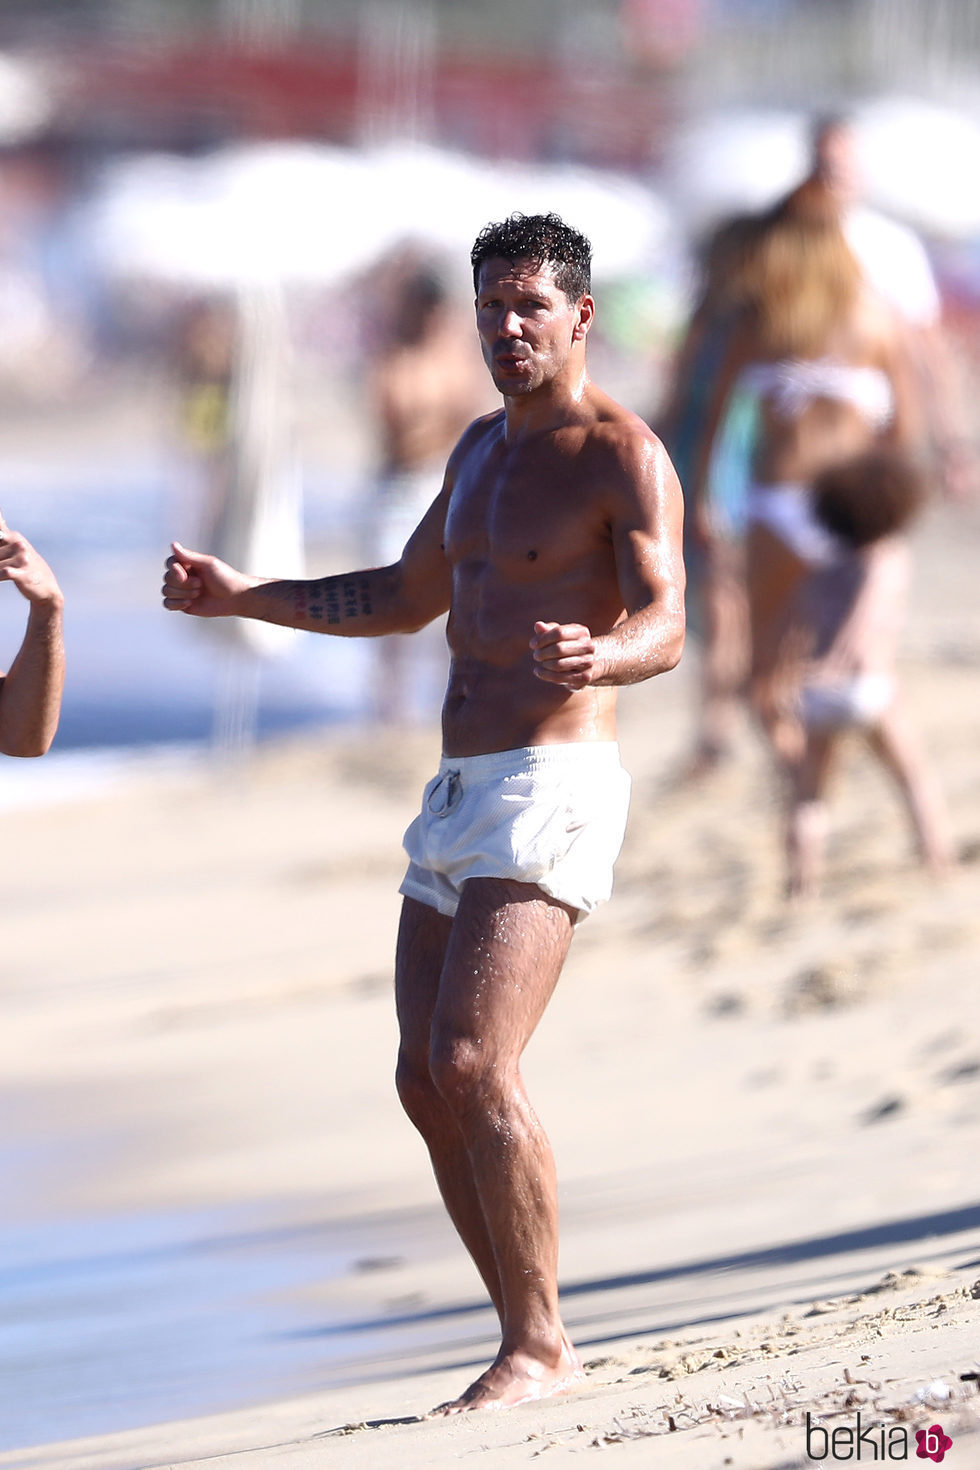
(548, 407)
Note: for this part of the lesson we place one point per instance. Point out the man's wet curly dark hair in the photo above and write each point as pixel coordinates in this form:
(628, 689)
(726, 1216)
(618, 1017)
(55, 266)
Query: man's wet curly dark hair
(539, 239)
(874, 495)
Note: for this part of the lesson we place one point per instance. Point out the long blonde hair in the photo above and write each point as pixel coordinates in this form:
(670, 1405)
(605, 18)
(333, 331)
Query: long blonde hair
(798, 276)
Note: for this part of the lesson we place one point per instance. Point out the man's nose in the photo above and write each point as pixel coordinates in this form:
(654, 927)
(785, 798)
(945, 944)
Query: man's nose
(510, 324)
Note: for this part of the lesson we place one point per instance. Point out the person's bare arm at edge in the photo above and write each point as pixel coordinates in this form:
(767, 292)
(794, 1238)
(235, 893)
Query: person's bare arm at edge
(364, 604)
(647, 526)
(741, 349)
(30, 693)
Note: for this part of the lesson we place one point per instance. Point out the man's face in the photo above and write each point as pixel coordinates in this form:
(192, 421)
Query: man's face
(528, 327)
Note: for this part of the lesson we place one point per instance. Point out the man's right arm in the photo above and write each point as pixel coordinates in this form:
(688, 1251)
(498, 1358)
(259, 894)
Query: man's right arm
(362, 604)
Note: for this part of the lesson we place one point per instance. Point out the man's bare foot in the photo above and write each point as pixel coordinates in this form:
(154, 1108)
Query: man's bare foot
(517, 1378)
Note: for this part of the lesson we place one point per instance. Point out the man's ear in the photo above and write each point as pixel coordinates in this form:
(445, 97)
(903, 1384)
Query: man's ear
(585, 313)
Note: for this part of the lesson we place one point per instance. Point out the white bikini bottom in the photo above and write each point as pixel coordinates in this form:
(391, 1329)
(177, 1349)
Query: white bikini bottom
(786, 511)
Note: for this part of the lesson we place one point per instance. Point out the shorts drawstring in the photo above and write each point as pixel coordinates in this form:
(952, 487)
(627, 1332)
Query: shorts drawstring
(452, 781)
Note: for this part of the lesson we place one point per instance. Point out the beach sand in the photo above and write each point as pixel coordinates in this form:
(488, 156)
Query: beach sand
(766, 1122)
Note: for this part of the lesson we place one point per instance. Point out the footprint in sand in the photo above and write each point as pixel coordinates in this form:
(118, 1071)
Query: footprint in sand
(887, 1108)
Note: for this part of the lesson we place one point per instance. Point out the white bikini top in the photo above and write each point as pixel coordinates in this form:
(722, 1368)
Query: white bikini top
(793, 383)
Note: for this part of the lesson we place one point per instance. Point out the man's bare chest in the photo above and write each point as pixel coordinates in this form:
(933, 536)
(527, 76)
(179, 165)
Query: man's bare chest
(525, 514)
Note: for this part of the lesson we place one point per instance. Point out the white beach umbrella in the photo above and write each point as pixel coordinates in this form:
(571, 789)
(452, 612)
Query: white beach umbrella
(25, 102)
(734, 161)
(257, 522)
(447, 198)
(258, 526)
(306, 213)
(239, 216)
(922, 163)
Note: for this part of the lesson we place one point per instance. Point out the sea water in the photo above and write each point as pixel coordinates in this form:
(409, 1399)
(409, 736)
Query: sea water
(109, 1323)
(144, 684)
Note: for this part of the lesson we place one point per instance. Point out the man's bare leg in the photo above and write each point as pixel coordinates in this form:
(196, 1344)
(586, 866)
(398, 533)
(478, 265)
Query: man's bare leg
(423, 937)
(505, 953)
(506, 949)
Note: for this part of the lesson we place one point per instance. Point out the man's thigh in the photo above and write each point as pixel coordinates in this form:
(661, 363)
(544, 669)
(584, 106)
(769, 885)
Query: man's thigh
(423, 937)
(507, 945)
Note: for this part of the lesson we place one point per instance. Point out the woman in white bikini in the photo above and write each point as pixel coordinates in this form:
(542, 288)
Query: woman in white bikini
(817, 371)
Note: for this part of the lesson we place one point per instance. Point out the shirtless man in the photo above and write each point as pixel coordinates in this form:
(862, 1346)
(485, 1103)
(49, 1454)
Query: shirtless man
(30, 693)
(555, 545)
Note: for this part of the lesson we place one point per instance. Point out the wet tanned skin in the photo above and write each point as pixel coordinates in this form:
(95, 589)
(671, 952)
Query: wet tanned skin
(528, 539)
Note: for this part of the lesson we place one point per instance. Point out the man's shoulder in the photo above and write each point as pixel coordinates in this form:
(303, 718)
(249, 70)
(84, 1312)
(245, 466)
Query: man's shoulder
(477, 432)
(621, 433)
(483, 427)
(626, 458)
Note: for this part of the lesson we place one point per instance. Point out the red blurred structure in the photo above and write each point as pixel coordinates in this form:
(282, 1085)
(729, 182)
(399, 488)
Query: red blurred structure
(196, 94)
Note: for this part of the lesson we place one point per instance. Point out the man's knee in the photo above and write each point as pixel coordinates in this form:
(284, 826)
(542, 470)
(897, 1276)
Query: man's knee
(465, 1077)
(416, 1090)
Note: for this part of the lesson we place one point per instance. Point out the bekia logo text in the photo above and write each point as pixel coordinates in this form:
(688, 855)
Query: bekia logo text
(875, 1442)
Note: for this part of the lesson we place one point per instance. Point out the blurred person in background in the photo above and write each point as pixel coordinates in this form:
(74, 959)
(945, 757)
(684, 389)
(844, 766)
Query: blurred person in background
(206, 354)
(555, 544)
(30, 692)
(49, 298)
(896, 264)
(896, 267)
(423, 390)
(818, 366)
(846, 624)
(715, 557)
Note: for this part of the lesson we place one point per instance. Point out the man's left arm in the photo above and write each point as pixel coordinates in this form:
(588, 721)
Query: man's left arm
(30, 694)
(647, 532)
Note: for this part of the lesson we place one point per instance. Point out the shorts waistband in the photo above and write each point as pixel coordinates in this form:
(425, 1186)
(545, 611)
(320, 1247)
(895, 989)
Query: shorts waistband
(529, 758)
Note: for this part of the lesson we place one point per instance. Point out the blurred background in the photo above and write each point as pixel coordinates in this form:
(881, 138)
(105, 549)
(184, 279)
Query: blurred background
(212, 213)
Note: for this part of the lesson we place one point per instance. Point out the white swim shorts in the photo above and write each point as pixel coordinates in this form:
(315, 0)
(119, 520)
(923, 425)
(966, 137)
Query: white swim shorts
(554, 815)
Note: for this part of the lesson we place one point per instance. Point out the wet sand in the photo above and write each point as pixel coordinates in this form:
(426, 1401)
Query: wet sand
(765, 1122)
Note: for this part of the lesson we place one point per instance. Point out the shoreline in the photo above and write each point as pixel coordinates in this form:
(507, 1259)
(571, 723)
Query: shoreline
(757, 1393)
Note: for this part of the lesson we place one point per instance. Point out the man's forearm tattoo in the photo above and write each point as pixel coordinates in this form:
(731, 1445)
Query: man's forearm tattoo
(333, 599)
